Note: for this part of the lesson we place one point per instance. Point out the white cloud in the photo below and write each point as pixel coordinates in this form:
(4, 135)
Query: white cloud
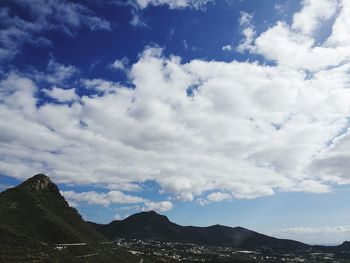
(245, 19)
(313, 14)
(105, 199)
(120, 64)
(185, 196)
(57, 73)
(115, 197)
(125, 186)
(227, 48)
(282, 42)
(218, 197)
(62, 95)
(247, 129)
(130, 133)
(100, 85)
(248, 32)
(160, 207)
(137, 19)
(341, 28)
(215, 197)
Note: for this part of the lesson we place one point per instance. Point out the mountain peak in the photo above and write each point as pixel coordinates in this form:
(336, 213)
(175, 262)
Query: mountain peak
(152, 212)
(38, 182)
(345, 243)
(148, 216)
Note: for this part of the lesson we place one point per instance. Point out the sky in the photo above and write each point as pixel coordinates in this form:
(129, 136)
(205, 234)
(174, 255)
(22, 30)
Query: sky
(233, 112)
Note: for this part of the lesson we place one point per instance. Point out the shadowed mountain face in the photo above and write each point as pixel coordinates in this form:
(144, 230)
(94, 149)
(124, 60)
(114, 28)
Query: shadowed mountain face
(150, 225)
(37, 209)
(34, 216)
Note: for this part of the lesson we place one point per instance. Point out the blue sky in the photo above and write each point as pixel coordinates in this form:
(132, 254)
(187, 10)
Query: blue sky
(233, 112)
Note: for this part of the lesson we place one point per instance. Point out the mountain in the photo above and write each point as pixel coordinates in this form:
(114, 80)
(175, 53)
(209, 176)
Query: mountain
(34, 217)
(37, 209)
(150, 225)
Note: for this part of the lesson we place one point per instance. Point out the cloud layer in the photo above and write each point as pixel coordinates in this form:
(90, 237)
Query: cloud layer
(225, 130)
(115, 197)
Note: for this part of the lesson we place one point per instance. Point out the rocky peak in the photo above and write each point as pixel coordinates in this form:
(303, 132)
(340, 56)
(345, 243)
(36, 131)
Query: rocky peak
(345, 244)
(38, 182)
(150, 216)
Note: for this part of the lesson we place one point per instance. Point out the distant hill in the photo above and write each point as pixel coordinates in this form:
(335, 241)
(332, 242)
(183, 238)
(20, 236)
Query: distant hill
(34, 216)
(150, 225)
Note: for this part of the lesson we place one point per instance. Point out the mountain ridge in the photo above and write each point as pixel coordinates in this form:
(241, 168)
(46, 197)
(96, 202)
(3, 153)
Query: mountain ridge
(35, 218)
(150, 225)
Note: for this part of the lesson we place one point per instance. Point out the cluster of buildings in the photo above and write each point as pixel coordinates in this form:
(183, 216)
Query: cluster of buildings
(163, 251)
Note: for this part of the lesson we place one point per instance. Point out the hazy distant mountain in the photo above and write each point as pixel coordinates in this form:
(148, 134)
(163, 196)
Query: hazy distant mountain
(34, 216)
(150, 225)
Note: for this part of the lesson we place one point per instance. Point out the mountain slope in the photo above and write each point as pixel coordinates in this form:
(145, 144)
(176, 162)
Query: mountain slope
(34, 216)
(150, 225)
(37, 209)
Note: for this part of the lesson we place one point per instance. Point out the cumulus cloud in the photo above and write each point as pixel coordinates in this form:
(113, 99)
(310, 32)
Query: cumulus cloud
(105, 199)
(115, 197)
(340, 30)
(158, 206)
(61, 95)
(185, 196)
(282, 42)
(313, 14)
(56, 73)
(198, 128)
(45, 15)
(100, 85)
(248, 32)
(218, 197)
(214, 197)
(120, 64)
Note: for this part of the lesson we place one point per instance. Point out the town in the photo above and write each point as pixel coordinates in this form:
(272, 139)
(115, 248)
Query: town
(158, 251)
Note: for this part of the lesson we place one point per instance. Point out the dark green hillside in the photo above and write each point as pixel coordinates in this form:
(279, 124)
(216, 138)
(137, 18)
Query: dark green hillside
(37, 209)
(34, 216)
